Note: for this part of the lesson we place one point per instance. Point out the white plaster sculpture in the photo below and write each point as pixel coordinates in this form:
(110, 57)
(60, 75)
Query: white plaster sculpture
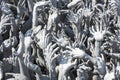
(59, 39)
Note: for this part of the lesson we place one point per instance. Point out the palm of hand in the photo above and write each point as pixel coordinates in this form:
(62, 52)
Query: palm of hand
(78, 53)
(87, 12)
(98, 31)
(98, 36)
